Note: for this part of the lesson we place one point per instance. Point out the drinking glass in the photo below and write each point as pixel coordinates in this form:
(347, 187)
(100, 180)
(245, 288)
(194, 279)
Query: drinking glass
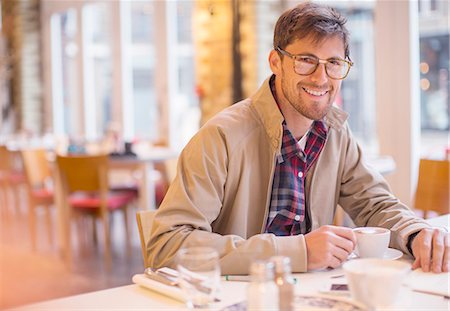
(199, 275)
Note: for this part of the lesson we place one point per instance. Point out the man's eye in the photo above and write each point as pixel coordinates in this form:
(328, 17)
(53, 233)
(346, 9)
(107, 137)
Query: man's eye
(336, 62)
(307, 59)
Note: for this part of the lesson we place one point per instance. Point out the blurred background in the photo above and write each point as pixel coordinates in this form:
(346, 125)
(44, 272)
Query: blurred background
(152, 72)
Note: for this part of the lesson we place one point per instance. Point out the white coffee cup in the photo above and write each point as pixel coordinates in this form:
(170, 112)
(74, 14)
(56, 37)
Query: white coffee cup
(372, 242)
(375, 282)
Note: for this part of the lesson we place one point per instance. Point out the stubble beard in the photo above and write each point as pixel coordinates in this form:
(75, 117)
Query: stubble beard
(313, 110)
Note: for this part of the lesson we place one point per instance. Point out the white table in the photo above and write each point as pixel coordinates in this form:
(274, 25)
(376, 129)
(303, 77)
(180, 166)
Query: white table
(134, 297)
(145, 162)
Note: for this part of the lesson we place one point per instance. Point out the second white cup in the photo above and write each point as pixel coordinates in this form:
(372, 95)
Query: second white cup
(376, 282)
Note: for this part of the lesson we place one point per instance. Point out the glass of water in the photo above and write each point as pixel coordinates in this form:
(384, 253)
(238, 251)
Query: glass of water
(199, 275)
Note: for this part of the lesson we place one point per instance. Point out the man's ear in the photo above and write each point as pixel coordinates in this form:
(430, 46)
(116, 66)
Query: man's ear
(275, 62)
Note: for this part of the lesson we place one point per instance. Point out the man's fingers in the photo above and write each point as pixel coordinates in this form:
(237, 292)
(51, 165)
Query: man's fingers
(343, 238)
(431, 249)
(344, 244)
(438, 251)
(446, 259)
(346, 233)
(425, 251)
(328, 246)
(340, 253)
(334, 262)
(416, 263)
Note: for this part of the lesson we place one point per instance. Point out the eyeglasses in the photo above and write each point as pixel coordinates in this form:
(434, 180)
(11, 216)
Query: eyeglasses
(305, 65)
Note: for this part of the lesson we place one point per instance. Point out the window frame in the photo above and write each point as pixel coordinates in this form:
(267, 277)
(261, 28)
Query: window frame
(122, 99)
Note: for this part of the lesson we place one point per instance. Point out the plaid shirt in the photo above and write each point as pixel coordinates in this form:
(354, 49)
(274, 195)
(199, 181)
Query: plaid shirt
(287, 215)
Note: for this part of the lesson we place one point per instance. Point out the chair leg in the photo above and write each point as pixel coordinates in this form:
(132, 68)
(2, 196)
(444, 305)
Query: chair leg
(8, 203)
(83, 234)
(94, 230)
(67, 240)
(127, 232)
(17, 200)
(107, 237)
(32, 225)
(49, 223)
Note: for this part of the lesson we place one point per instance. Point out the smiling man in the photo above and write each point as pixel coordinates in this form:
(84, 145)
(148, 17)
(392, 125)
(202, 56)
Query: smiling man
(264, 176)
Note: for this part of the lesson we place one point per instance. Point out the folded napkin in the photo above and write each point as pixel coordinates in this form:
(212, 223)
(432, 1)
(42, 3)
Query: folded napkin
(433, 283)
(166, 290)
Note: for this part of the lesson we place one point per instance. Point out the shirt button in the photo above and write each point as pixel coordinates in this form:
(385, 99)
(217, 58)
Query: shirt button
(300, 174)
(297, 217)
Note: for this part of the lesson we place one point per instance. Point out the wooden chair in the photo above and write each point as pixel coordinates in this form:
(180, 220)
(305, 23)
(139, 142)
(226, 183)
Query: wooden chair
(144, 221)
(39, 187)
(84, 185)
(12, 178)
(433, 190)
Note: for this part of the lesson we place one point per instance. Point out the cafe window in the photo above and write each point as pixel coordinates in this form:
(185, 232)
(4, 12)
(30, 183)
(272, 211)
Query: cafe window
(434, 29)
(67, 113)
(122, 63)
(97, 64)
(357, 95)
(434, 82)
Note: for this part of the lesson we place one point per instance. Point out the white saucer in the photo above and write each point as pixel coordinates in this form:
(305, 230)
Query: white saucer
(390, 254)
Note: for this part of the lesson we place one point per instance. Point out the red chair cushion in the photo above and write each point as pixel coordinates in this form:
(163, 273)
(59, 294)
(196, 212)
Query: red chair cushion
(115, 200)
(42, 193)
(16, 178)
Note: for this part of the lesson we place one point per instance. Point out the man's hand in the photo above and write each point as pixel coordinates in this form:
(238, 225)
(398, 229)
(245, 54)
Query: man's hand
(431, 250)
(329, 246)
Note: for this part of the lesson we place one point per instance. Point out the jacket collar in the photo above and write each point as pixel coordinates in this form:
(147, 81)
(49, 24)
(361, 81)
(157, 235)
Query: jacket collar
(266, 107)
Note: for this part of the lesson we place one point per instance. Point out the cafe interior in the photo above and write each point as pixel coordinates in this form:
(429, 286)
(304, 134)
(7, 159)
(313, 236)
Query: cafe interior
(128, 83)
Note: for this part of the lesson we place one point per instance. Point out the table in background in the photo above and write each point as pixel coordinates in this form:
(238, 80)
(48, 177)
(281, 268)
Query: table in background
(135, 297)
(145, 163)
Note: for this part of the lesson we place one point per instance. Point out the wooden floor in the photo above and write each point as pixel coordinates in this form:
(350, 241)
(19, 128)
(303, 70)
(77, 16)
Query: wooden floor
(27, 276)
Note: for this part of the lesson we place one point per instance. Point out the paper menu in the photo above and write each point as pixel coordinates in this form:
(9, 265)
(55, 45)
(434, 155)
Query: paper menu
(437, 283)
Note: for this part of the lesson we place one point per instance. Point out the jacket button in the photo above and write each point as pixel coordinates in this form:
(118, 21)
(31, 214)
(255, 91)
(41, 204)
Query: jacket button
(300, 174)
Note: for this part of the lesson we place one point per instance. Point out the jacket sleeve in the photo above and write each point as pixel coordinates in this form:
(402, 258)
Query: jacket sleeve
(366, 197)
(194, 201)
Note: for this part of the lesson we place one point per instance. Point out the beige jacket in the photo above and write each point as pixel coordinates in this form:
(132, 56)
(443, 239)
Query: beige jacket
(221, 194)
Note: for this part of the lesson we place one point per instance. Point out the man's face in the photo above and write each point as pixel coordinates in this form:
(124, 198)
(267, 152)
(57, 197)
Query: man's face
(312, 95)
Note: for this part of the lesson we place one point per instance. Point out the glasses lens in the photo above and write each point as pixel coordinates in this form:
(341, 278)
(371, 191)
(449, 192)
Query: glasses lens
(337, 68)
(305, 65)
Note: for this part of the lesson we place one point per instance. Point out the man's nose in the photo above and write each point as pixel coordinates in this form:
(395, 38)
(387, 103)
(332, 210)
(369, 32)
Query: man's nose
(320, 76)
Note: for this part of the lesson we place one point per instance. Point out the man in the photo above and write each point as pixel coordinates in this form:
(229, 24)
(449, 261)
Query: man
(265, 175)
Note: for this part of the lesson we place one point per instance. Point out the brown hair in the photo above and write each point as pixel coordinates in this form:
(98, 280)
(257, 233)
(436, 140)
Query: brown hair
(310, 19)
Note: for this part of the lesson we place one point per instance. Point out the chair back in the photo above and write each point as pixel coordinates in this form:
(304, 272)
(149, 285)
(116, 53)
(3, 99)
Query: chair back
(83, 173)
(37, 168)
(433, 188)
(145, 221)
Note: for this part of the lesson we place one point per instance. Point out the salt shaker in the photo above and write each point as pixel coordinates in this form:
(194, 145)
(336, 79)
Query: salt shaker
(284, 281)
(262, 292)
